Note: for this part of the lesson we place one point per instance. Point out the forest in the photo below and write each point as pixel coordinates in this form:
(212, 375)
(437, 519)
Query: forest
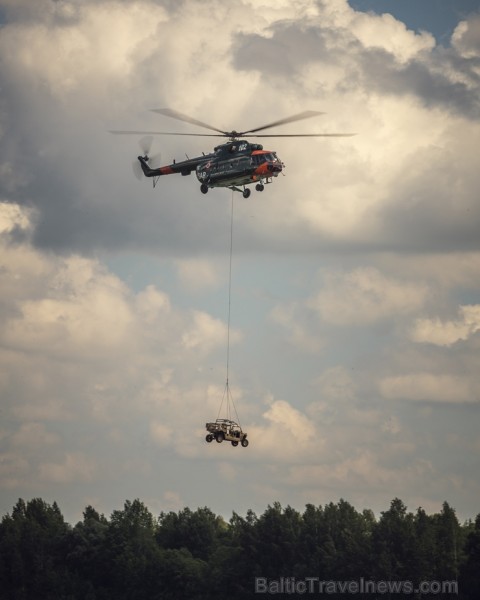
(330, 551)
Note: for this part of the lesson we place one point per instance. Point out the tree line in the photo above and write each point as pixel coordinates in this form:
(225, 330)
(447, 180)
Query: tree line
(197, 555)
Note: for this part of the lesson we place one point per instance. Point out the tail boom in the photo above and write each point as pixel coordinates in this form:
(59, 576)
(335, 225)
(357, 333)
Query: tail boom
(149, 172)
(184, 167)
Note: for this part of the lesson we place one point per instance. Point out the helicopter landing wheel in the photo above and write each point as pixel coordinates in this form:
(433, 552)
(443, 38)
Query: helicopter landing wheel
(259, 187)
(204, 188)
(246, 193)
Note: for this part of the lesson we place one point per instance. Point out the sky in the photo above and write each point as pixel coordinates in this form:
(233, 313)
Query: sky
(355, 291)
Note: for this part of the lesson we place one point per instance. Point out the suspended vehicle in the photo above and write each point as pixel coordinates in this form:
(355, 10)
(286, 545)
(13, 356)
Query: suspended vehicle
(226, 430)
(234, 164)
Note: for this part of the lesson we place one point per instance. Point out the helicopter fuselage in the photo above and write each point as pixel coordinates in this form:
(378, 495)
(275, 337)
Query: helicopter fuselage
(236, 163)
(239, 163)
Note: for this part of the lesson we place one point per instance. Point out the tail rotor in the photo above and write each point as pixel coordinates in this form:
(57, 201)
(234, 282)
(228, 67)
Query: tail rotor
(145, 144)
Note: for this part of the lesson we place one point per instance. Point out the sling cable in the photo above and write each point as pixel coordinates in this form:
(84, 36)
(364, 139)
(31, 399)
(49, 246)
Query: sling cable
(227, 429)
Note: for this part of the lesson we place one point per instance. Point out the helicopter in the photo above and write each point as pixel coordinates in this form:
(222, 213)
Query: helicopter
(234, 164)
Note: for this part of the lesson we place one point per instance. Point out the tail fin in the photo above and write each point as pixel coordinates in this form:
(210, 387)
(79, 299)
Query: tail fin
(147, 171)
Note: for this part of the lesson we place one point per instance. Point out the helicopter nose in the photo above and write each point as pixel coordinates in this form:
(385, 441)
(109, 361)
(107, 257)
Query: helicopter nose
(275, 167)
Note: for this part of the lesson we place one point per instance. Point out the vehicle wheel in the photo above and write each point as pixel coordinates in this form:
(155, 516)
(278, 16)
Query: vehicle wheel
(259, 187)
(246, 193)
(234, 443)
(204, 188)
(220, 436)
(209, 438)
(244, 442)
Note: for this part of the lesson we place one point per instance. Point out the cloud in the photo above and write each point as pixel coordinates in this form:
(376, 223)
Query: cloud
(13, 217)
(34, 435)
(376, 52)
(13, 470)
(336, 385)
(446, 333)
(466, 38)
(84, 311)
(75, 467)
(365, 296)
(90, 52)
(76, 341)
(282, 414)
(153, 304)
(172, 501)
(287, 433)
(160, 433)
(197, 274)
(428, 387)
(299, 333)
(206, 333)
(385, 32)
(227, 472)
(443, 272)
(364, 470)
(34, 395)
(344, 62)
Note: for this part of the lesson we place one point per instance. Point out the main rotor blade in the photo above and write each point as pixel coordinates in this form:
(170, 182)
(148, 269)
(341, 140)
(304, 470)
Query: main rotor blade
(308, 114)
(128, 132)
(288, 135)
(168, 112)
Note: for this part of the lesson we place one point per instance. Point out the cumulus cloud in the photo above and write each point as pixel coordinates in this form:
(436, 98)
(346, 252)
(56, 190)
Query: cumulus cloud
(206, 333)
(77, 344)
(282, 414)
(172, 501)
(75, 467)
(152, 304)
(365, 469)
(336, 384)
(365, 296)
(287, 433)
(298, 332)
(443, 272)
(344, 62)
(197, 274)
(161, 433)
(32, 434)
(446, 333)
(83, 312)
(386, 32)
(466, 38)
(13, 217)
(376, 52)
(13, 470)
(428, 387)
(228, 472)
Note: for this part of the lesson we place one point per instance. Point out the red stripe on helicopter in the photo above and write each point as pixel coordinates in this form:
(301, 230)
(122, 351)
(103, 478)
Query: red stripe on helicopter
(166, 170)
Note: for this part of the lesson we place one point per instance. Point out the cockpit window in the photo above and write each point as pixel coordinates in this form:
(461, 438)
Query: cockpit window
(271, 157)
(259, 159)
